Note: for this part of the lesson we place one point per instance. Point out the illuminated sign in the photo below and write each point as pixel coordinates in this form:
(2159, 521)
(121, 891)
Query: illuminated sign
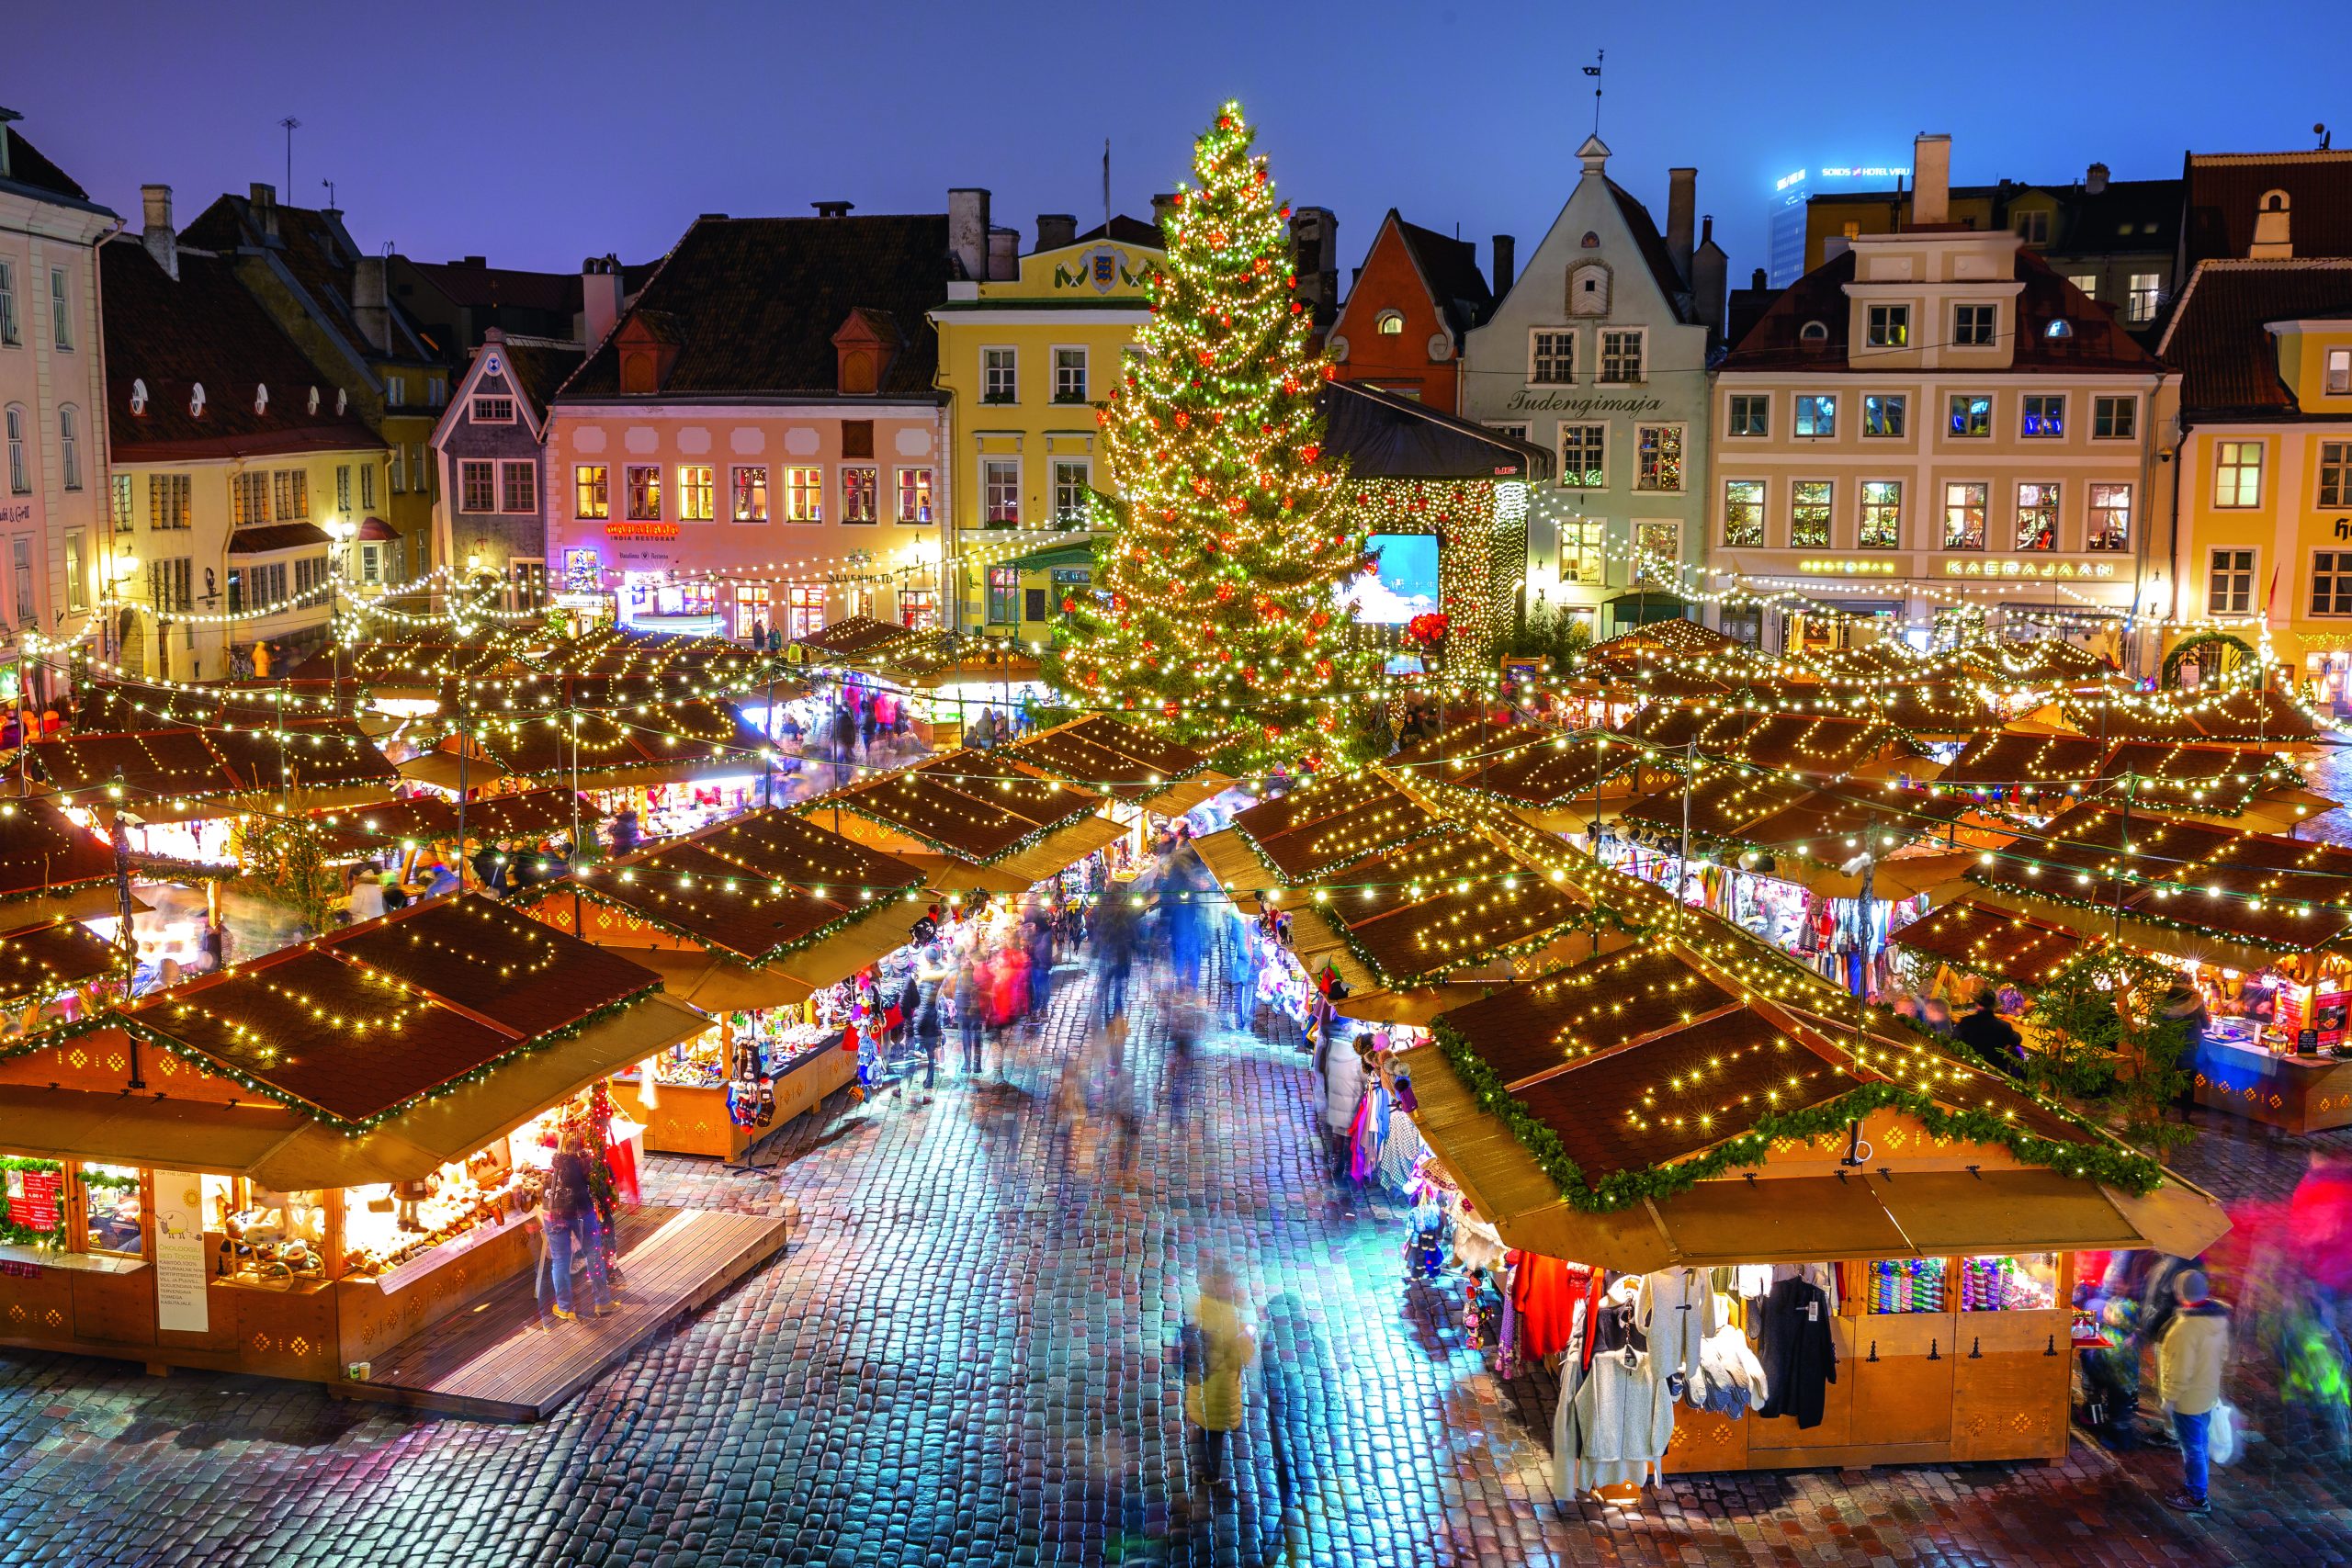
(1785, 181)
(642, 530)
(2012, 566)
(1849, 567)
(1865, 172)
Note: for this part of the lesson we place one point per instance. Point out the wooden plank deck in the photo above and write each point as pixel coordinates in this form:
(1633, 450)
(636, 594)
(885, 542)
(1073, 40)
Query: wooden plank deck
(502, 1359)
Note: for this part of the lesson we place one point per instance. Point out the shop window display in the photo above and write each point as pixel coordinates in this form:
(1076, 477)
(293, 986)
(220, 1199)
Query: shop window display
(386, 1223)
(111, 1207)
(267, 1237)
(36, 1210)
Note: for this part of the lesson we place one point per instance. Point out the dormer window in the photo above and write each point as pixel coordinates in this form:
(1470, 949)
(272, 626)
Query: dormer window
(2062, 327)
(312, 405)
(196, 400)
(1390, 323)
(261, 399)
(138, 397)
(1890, 326)
(1814, 331)
(342, 399)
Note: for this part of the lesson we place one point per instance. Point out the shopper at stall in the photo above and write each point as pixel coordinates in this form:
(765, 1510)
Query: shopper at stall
(2188, 1375)
(1983, 1030)
(931, 973)
(573, 1227)
(1341, 1069)
(971, 1006)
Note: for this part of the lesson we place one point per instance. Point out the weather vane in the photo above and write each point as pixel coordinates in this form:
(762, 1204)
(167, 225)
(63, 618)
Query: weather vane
(1593, 71)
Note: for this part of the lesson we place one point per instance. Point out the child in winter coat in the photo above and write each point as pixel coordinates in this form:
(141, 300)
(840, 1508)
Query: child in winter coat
(2188, 1375)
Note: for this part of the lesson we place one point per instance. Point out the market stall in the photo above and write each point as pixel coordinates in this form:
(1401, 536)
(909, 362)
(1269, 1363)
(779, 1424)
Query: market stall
(1143, 774)
(293, 1166)
(1694, 1151)
(749, 921)
(989, 833)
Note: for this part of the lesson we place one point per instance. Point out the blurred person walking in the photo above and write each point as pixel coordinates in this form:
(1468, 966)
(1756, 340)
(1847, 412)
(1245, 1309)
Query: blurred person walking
(2188, 1367)
(1219, 1349)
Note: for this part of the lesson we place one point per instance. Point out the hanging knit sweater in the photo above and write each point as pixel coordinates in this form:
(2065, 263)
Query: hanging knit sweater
(1729, 1378)
(1676, 1310)
(1623, 1420)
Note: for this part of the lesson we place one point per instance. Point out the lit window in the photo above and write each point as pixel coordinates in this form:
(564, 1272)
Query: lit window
(1001, 491)
(1817, 414)
(1743, 512)
(1073, 491)
(749, 494)
(2339, 372)
(2111, 519)
(590, 489)
(2237, 473)
(1004, 595)
(2045, 417)
(1657, 457)
(1888, 414)
(861, 500)
(1882, 523)
(1964, 504)
(804, 495)
(914, 495)
(645, 492)
(1971, 416)
(1391, 323)
(2140, 304)
(1809, 508)
(1584, 456)
(2037, 516)
(1890, 326)
(698, 493)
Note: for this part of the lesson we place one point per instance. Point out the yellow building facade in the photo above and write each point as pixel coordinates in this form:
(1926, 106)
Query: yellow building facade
(2265, 462)
(1027, 358)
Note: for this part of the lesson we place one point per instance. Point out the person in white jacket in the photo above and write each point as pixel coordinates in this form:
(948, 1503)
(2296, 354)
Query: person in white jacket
(1342, 1071)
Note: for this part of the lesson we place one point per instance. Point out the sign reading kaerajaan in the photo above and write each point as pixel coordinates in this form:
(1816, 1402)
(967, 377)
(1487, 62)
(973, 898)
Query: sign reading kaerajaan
(2013, 566)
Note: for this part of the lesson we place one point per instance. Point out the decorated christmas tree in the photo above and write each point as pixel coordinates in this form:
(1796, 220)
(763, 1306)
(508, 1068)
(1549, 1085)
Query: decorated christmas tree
(1219, 567)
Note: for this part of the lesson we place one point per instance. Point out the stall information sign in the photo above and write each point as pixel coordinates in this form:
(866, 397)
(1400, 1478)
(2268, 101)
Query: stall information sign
(180, 1275)
(33, 1197)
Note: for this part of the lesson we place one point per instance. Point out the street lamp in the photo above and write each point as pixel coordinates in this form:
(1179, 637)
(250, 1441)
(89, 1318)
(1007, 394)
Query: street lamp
(341, 530)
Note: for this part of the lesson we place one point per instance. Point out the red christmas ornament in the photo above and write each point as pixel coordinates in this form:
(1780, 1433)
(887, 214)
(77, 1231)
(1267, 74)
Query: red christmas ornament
(1308, 454)
(1069, 605)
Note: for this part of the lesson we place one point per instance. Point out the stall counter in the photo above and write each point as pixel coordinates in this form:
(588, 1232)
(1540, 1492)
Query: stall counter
(2295, 1091)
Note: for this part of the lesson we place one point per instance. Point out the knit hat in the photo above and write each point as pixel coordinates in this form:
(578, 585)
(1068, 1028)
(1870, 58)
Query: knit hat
(2191, 1286)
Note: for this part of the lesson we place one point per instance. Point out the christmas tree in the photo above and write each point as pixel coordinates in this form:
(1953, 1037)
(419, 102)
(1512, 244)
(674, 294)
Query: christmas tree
(1219, 567)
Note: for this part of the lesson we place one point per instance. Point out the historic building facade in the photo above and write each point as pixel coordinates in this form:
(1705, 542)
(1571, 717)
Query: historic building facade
(1409, 311)
(1932, 425)
(1599, 354)
(52, 400)
(491, 522)
(759, 437)
(1028, 349)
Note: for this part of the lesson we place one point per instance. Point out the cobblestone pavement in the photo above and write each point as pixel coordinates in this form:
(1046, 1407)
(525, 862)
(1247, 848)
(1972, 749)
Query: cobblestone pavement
(966, 1356)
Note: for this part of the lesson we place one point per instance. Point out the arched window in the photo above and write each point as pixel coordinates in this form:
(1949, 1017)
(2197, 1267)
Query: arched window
(2062, 327)
(68, 445)
(20, 474)
(1390, 323)
(1814, 331)
(138, 396)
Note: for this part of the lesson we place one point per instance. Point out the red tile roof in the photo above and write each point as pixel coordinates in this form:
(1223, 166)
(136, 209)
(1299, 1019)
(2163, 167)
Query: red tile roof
(207, 330)
(319, 254)
(752, 305)
(2228, 363)
(29, 167)
(1450, 267)
(473, 284)
(2095, 342)
(2225, 191)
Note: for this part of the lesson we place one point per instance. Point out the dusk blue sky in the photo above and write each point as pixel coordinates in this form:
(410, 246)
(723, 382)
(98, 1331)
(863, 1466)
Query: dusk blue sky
(537, 134)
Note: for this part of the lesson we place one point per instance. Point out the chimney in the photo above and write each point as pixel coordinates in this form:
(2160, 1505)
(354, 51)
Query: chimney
(1506, 263)
(1682, 205)
(2272, 237)
(833, 208)
(158, 236)
(479, 261)
(1759, 278)
(368, 307)
(600, 298)
(1056, 230)
(2095, 182)
(967, 230)
(1004, 254)
(1708, 267)
(1163, 207)
(1315, 247)
(263, 199)
(1930, 180)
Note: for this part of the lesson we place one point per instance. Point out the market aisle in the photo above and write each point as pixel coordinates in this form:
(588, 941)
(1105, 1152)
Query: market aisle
(968, 1356)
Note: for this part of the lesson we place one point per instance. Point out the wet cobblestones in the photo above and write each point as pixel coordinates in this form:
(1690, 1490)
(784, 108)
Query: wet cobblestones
(967, 1354)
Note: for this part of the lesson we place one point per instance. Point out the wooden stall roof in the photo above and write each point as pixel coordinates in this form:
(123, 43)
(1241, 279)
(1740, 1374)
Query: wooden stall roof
(1559, 771)
(2259, 718)
(1657, 677)
(1671, 727)
(357, 1024)
(1680, 638)
(1980, 939)
(1123, 761)
(42, 850)
(1326, 823)
(2042, 661)
(854, 638)
(373, 825)
(530, 814)
(964, 806)
(161, 767)
(1641, 1059)
(1721, 803)
(698, 735)
(112, 708)
(2270, 892)
(753, 887)
(2012, 759)
(41, 960)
